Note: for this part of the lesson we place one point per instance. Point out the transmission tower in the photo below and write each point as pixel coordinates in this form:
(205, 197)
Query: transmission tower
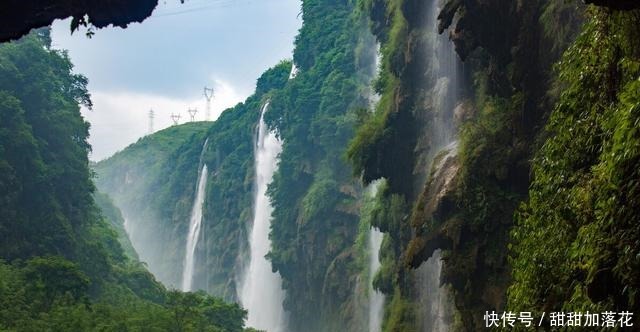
(192, 113)
(208, 94)
(151, 115)
(175, 118)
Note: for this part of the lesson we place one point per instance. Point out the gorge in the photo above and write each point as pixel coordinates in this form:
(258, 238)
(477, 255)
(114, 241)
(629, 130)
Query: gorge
(415, 165)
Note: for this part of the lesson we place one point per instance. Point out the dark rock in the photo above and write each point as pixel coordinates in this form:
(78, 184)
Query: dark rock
(19, 17)
(616, 4)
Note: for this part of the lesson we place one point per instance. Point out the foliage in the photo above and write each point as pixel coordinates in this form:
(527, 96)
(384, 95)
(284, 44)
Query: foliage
(62, 267)
(153, 182)
(50, 293)
(375, 135)
(46, 188)
(584, 195)
(315, 221)
(113, 215)
(503, 102)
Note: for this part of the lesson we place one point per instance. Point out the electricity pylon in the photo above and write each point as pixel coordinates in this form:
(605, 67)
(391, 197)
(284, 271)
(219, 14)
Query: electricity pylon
(192, 113)
(208, 94)
(151, 115)
(175, 118)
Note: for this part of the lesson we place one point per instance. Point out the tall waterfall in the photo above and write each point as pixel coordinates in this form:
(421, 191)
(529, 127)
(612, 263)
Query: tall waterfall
(195, 223)
(376, 299)
(261, 291)
(436, 301)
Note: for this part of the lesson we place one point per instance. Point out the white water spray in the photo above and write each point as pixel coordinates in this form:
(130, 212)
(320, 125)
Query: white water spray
(294, 71)
(195, 224)
(261, 292)
(376, 299)
(436, 301)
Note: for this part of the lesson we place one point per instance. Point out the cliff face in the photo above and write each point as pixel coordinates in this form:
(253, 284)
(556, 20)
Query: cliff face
(576, 237)
(316, 201)
(509, 108)
(460, 200)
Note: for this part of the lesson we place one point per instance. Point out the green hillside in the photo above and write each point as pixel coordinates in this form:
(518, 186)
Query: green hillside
(62, 267)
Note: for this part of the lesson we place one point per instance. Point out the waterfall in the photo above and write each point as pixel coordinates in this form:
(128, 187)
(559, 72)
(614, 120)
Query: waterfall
(445, 77)
(376, 299)
(294, 71)
(444, 80)
(195, 223)
(261, 291)
(127, 226)
(436, 301)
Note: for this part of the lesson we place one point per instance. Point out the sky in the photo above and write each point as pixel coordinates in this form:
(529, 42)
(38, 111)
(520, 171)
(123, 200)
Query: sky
(165, 62)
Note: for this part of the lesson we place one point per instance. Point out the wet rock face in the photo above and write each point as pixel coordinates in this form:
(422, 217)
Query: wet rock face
(474, 26)
(18, 17)
(441, 184)
(463, 112)
(432, 219)
(474, 23)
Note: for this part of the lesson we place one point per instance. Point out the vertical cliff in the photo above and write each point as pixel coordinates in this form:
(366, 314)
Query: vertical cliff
(460, 199)
(315, 199)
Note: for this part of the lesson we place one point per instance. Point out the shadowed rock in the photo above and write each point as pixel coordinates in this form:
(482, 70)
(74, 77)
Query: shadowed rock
(19, 17)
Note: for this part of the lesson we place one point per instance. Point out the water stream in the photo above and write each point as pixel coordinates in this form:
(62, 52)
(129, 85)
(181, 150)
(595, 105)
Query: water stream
(261, 291)
(195, 223)
(376, 299)
(445, 67)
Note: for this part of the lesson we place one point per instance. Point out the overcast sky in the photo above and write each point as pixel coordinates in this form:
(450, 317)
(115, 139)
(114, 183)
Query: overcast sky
(164, 63)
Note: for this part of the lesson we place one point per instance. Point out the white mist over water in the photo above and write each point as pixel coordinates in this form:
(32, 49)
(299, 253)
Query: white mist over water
(438, 308)
(195, 223)
(261, 292)
(376, 299)
(436, 301)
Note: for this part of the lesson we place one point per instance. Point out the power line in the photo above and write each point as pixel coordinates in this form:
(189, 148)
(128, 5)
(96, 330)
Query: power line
(218, 4)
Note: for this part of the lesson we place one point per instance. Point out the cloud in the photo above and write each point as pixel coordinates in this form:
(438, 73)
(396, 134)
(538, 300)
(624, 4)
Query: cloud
(121, 118)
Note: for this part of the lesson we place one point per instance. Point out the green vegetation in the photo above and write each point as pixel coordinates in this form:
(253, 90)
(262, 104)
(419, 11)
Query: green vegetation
(112, 214)
(582, 200)
(584, 196)
(153, 182)
(539, 213)
(376, 139)
(51, 293)
(62, 266)
(315, 200)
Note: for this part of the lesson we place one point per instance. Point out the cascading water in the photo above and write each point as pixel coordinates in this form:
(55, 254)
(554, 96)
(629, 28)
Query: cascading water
(294, 71)
(376, 299)
(127, 226)
(436, 302)
(261, 292)
(195, 223)
(435, 299)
